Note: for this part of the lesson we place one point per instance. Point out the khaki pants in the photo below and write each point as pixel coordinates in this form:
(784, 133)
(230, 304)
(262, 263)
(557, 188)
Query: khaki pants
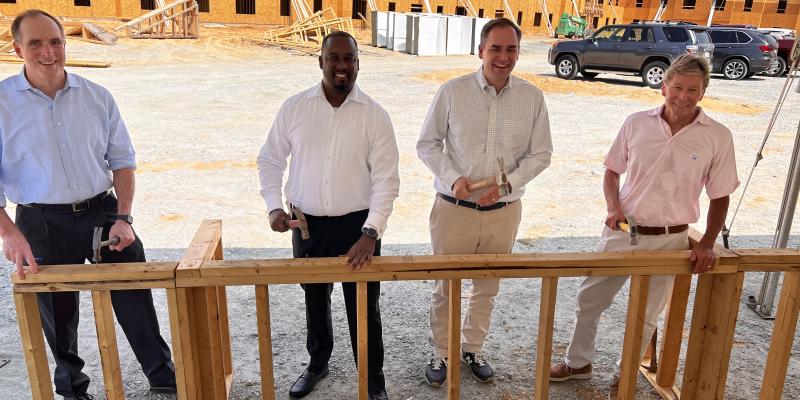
(460, 230)
(597, 293)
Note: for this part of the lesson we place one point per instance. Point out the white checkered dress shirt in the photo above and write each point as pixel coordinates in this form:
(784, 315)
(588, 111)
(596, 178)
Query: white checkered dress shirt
(469, 126)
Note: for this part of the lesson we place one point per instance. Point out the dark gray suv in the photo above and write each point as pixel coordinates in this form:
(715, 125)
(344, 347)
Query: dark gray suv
(643, 49)
(740, 52)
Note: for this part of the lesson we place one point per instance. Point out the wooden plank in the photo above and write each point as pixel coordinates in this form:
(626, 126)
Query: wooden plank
(697, 332)
(454, 341)
(783, 334)
(107, 344)
(670, 352)
(632, 344)
(225, 337)
(265, 343)
(212, 339)
(176, 321)
(666, 392)
(544, 343)
(191, 348)
(201, 248)
(32, 338)
(361, 317)
(716, 347)
(729, 332)
(138, 271)
(84, 286)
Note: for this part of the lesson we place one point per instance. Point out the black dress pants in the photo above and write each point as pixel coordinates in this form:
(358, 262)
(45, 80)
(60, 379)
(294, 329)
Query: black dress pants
(65, 237)
(333, 237)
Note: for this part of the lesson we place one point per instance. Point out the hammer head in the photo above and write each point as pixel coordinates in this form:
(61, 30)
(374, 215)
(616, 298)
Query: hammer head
(97, 237)
(630, 226)
(300, 222)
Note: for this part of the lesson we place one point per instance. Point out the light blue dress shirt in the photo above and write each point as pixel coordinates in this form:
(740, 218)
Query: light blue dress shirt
(61, 150)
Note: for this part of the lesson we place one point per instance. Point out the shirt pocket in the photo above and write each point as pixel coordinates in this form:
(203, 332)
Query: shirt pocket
(515, 135)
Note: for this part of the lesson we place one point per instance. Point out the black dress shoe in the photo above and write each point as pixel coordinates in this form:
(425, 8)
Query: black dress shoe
(306, 382)
(163, 389)
(379, 395)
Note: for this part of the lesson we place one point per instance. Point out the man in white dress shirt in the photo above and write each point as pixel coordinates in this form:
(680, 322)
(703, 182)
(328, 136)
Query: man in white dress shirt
(473, 122)
(344, 178)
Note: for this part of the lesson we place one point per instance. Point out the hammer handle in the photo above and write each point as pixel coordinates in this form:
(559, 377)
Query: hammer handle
(110, 242)
(623, 226)
(481, 184)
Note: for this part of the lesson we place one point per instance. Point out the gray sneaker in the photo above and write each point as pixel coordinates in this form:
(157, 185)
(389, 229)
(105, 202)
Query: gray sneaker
(436, 371)
(481, 369)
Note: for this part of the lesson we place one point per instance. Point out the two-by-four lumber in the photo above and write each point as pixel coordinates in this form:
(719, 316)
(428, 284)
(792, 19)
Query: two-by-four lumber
(454, 341)
(107, 343)
(361, 317)
(632, 344)
(783, 333)
(201, 248)
(544, 345)
(265, 343)
(673, 330)
(30, 332)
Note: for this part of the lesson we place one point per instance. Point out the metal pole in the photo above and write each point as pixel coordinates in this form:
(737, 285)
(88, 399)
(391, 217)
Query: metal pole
(711, 12)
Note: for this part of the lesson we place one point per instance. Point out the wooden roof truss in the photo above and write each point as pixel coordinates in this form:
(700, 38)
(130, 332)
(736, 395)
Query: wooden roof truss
(176, 20)
(306, 34)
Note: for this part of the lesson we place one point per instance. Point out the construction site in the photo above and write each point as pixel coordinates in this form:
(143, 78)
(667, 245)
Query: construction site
(198, 84)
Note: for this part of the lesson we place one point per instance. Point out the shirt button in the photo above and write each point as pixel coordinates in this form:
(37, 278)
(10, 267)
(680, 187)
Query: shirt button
(73, 186)
(63, 145)
(59, 123)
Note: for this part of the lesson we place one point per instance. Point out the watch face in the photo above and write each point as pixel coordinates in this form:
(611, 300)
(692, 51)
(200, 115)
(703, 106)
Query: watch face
(370, 232)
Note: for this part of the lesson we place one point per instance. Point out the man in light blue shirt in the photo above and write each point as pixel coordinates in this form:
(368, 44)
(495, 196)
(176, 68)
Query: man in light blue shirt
(63, 147)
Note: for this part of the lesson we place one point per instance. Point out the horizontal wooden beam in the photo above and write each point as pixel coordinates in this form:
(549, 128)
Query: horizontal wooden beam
(86, 286)
(139, 271)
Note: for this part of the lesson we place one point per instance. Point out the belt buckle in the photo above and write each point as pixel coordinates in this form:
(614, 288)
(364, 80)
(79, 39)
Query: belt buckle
(76, 207)
(666, 229)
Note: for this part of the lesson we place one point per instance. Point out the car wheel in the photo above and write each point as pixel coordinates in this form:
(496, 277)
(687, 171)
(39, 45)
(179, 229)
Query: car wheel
(734, 69)
(778, 69)
(566, 66)
(653, 74)
(589, 75)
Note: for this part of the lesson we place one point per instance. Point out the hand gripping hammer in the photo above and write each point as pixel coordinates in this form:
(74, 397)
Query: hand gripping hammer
(629, 226)
(98, 244)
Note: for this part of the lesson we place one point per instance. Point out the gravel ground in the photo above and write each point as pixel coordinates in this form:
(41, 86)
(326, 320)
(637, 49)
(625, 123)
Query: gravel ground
(198, 112)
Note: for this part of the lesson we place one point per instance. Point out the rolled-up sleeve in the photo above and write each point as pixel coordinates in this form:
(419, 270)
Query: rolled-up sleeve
(384, 174)
(272, 162)
(430, 146)
(120, 153)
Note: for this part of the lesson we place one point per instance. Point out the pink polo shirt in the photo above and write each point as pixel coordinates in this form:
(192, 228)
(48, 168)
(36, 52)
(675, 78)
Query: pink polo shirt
(665, 172)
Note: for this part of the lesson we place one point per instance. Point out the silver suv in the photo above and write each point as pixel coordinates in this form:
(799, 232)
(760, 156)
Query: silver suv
(641, 49)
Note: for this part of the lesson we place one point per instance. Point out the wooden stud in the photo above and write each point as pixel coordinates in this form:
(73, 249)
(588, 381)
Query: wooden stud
(32, 338)
(544, 344)
(673, 330)
(728, 333)
(454, 342)
(363, 352)
(176, 320)
(192, 354)
(265, 343)
(107, 344)
(216, 369)
(632, 344)
(783, 333)
(697, 332)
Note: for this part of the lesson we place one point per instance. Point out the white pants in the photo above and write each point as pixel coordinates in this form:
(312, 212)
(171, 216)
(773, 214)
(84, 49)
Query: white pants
(597, 293)
(460, 230)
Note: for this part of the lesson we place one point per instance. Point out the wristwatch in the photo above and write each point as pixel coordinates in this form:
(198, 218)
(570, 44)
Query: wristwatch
(369, 231)
(124, 217)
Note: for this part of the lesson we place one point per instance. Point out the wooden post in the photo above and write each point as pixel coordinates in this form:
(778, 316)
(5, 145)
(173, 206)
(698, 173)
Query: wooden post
(711, 335)
(544, 344)
(783, 332)
(32, 337)
(454, 342)
(265, 342)
(673, 331)
(107, 343)
(632, 345)
(363, 352)
(180, 350)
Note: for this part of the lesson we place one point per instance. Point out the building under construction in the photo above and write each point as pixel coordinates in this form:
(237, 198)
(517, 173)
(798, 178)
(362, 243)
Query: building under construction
(533, 16)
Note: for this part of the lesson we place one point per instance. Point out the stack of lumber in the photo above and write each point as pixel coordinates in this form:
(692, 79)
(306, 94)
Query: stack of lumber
(90, 32)
(176, 20)
(6, 41)
(306, 34)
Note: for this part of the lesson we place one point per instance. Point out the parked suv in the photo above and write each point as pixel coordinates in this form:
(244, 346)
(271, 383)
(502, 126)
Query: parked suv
(785, 59)
(643, 49)
(741, 52)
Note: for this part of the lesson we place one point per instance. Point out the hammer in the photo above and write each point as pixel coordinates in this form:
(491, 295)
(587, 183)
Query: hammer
(629, 226)
(501, 179)
(300, 222)
(98, 244)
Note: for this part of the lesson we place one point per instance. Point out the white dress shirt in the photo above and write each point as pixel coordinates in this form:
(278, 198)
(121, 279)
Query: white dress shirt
(469, 125)
(343, 159)
(59, 150)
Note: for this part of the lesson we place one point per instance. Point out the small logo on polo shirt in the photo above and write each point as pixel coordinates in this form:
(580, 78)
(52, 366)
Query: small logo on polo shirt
(694, 156)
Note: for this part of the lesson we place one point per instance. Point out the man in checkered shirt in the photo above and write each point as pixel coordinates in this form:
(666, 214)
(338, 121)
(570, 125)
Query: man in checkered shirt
(474, 123)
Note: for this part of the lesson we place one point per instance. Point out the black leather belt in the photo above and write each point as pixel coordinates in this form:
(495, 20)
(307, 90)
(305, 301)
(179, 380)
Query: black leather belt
(75, 207)
(474, 206)
(660, 230)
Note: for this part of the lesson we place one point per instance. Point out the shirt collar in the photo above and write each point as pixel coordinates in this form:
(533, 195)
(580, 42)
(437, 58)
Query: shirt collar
(22, 82)
(701, 118)
(484, 84)
(355, 94)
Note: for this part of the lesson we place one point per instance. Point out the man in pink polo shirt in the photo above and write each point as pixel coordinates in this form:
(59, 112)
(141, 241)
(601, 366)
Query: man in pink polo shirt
(669, 154)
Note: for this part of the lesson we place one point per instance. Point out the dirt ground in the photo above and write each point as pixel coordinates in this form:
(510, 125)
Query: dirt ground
(199, 110)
